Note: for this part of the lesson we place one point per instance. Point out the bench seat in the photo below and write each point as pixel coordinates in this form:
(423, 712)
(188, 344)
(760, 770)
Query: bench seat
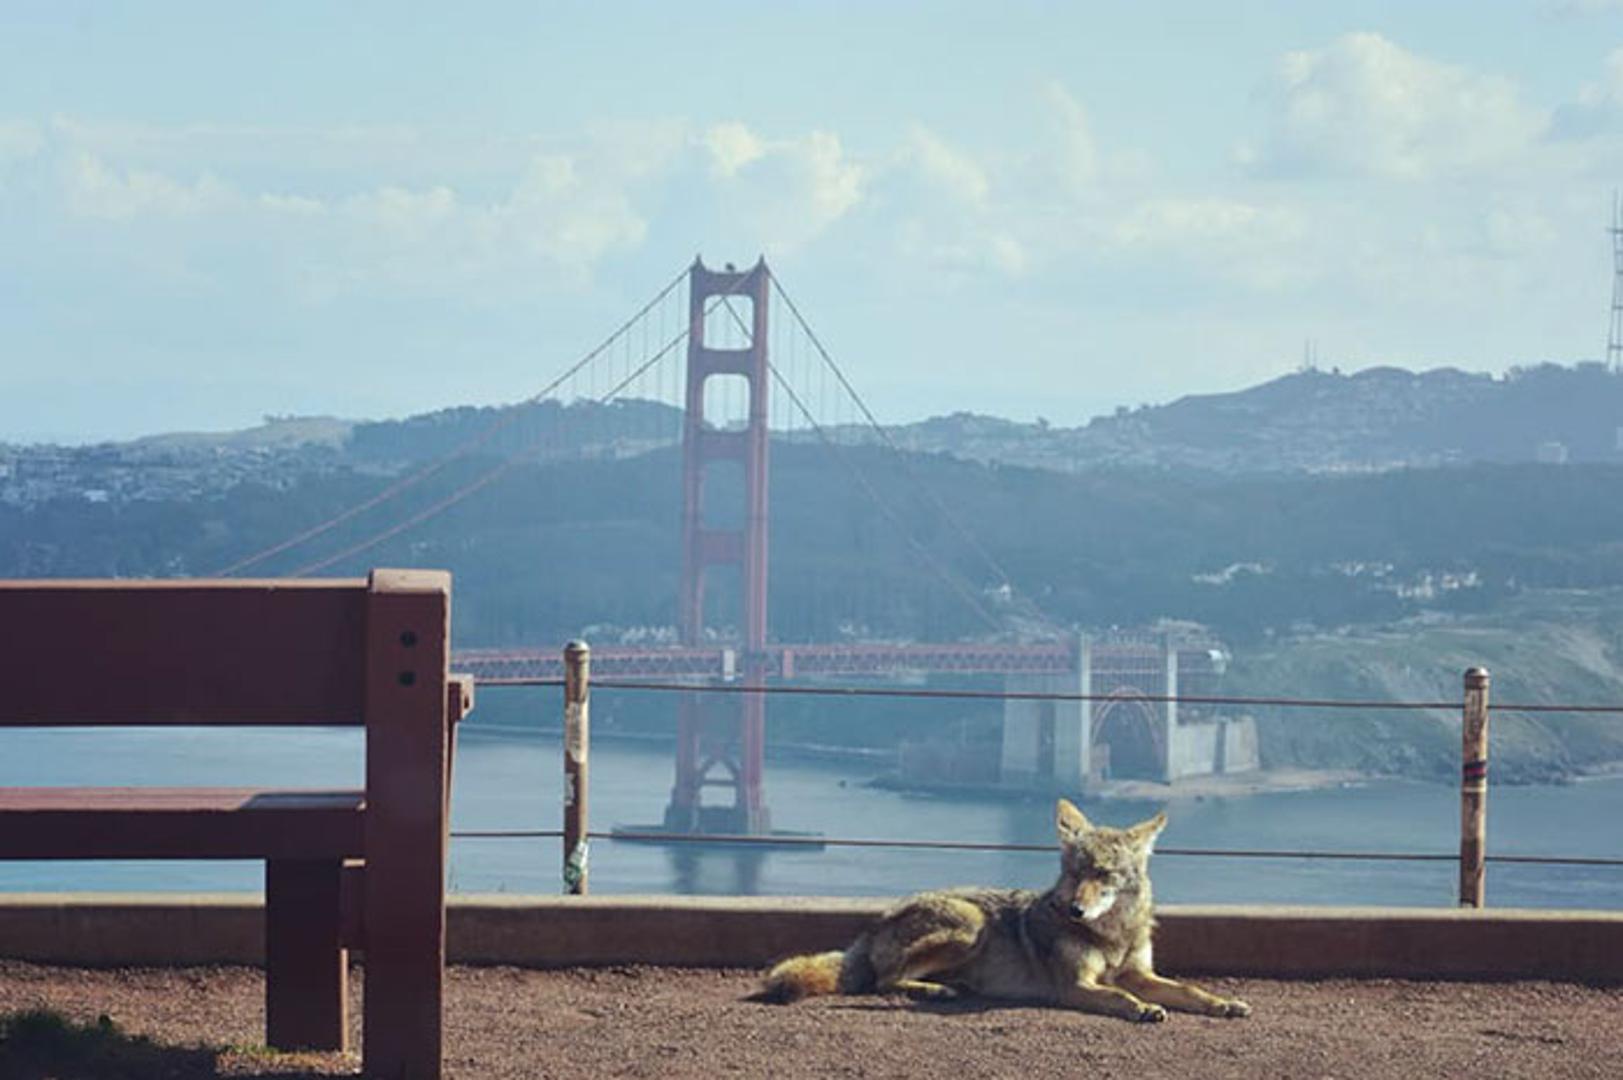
(181, 823)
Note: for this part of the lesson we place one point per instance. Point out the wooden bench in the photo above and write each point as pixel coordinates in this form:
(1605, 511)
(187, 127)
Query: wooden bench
(363, 869)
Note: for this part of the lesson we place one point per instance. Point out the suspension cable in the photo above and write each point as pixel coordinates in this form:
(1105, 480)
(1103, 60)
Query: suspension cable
(501, 422)
(838, 454)
(884, 434)
(482, 481)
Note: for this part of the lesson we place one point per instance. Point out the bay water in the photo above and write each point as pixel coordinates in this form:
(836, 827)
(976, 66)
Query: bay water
(510, 778)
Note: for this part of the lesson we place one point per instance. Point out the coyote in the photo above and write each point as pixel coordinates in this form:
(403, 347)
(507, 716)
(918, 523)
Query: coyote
(1084, 943)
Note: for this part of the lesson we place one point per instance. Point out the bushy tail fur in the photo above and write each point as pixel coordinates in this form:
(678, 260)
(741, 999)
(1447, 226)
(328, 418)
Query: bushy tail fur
(848, 972)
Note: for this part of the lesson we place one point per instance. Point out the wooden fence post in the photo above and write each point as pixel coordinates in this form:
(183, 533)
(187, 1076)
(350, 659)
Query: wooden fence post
(577, 742)
(1474, 789)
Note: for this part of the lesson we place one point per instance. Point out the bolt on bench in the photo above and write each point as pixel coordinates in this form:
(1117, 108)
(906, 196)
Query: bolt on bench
(362, 869)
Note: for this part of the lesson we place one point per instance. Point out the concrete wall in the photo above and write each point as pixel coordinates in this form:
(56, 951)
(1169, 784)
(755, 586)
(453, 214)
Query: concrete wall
(1217, 746)
(1241, 747)
(159, 929)
(1022, 758)
(1192, 749)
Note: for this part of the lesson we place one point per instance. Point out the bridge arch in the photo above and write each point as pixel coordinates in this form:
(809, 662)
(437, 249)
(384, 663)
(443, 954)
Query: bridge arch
(1127, 726)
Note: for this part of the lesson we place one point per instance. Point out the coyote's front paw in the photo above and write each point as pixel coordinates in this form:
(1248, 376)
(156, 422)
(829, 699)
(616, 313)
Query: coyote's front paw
(1232, 1007)
(1149, 1014)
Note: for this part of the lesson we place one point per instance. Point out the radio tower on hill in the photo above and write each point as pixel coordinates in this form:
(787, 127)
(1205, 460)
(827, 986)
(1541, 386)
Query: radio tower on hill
(1614, 336)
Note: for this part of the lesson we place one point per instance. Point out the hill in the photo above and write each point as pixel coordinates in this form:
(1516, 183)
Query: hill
(1318, 421)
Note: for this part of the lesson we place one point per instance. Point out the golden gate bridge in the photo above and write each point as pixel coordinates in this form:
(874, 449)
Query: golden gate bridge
(736, 356)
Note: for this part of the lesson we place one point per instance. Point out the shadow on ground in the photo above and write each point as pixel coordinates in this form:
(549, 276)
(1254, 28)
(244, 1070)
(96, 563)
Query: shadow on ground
(41, 1044)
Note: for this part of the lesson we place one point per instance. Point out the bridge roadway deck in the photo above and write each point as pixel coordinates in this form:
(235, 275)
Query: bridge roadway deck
(777, 661)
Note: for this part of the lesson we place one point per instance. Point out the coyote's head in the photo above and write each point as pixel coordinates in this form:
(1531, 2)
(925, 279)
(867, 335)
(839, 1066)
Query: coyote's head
(1101, 867)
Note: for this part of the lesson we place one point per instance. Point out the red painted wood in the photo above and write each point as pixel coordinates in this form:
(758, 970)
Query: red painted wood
(407, 761)
(268, 652)
(306, 964)
(458, 703)
(181, 652)
(179, 823)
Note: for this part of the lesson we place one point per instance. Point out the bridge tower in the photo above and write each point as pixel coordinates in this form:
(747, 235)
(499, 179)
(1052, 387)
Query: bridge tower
(721, 738)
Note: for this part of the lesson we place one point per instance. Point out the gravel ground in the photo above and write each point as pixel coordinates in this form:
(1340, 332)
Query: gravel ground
(653, 1022)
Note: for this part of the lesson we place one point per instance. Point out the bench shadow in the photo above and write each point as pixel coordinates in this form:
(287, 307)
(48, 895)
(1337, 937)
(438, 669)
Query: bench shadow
(42, 1044)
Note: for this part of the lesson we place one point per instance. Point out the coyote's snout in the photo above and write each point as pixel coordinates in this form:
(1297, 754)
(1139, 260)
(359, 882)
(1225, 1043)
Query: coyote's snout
(1084, 943)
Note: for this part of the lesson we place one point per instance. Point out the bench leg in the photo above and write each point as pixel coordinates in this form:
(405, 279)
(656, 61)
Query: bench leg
(306, 964)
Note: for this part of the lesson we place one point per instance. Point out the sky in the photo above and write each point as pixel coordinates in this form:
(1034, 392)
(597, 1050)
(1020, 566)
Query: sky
(212, 213)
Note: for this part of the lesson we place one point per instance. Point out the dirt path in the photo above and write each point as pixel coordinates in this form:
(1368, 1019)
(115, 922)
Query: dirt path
(649, 1022)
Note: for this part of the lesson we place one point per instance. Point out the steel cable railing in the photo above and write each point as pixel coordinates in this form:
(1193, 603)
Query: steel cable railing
(1473, 784)
(637, 837)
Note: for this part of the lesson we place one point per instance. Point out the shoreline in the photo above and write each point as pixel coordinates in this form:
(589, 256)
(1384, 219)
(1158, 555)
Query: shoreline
(1198, 788)
(1213, 786)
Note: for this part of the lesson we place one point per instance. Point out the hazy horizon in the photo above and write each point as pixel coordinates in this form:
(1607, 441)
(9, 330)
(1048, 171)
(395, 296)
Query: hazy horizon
(267, 420)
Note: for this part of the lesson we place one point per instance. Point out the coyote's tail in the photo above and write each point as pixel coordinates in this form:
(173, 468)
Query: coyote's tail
(848, 972)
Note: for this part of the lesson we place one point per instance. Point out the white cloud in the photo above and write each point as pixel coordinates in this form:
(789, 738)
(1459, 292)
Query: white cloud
(403, 212)
(435, 242)
(511, 222)
(833, 181)
(568, 215)
(945, 167)
(732, 146)
(1075, 151)
(292, 204)
(339, 148)
(963, 250)
(1263, 247)
(558, 211)
(1364, 106)
(944, 208)
(1180, 222)
(1599, 108)
(400, 213)
(19, 141)
(1515, 233)
(19, 144)
(98, 190)
(1607, 92)
(780, 193)
(1579, 8)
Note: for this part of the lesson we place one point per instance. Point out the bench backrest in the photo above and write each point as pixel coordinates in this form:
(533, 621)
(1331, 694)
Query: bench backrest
(115, 652)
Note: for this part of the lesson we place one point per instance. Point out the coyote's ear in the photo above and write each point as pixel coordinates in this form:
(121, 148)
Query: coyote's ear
(1145, 832)
(1070, 820)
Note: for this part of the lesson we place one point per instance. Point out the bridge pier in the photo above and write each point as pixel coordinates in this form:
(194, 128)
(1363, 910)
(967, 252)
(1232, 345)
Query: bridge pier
(1047, 744)
(718, 737)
